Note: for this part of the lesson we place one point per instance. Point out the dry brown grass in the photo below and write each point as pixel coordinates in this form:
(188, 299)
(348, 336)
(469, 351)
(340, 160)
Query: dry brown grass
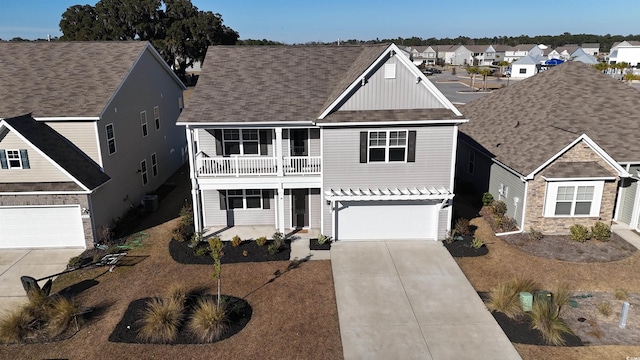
(504, 262)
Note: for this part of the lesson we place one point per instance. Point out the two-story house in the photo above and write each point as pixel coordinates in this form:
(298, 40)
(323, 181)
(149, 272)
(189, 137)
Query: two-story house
(351, 141)
(88, 129)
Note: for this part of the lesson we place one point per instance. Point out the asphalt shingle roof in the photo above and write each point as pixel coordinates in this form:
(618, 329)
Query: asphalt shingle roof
(526, 123)
(577, 169)
(56, 79)
(60, 150)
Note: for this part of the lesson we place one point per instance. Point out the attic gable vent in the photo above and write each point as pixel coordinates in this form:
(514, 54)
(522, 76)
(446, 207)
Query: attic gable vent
(389, 71)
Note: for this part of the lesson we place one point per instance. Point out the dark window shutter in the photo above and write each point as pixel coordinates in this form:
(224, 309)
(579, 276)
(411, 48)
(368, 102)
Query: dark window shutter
(217, 133)
(411, 147)
(265, 139)
(223, 200)
(266, 196)
(314, 133)
(364, 138)
(3, 159)
(24, 157)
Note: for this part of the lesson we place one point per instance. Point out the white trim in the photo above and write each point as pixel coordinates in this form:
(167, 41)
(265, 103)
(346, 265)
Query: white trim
(154, 165)
(610, 161)
(197, 220)
(606, 178)
(551, 198)
(156, 120)
(144, 172)
(524, 204)
(322, 200)
(396, 123)
(98, 146)
(70, 118)
(143, 124)
(387, 146)
(454, 156)
(230, 124)
(106, 135)
(387, 194)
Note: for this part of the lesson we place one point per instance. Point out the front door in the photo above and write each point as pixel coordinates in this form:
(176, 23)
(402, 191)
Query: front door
(300, 216)
(299, 141)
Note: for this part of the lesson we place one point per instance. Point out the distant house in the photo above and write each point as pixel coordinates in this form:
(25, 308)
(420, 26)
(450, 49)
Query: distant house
(350, 141)
(87, 130)
(526, 67)
(555, 150)
(626, 51)
(566, 52)
(592, 49)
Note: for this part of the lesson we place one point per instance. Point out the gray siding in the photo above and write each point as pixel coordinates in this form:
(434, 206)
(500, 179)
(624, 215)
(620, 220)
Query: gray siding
(39, 167)
(342, 167)
(515, 189)
(287, 209)
(443, 223)
(403, 92)
(315, 197)
(473, 181)
(314, 142)
(628, 190)
(213, 216)
(81, 133)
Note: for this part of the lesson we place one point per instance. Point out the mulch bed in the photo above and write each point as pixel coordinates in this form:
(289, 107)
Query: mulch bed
(313, 245)
(520, 331)
(561, 247)
(463, 248)
(247, 251)
(127, 329)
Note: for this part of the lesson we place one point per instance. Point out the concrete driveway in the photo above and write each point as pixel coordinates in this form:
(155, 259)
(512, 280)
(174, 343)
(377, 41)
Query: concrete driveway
(410, 300)
(36, 263)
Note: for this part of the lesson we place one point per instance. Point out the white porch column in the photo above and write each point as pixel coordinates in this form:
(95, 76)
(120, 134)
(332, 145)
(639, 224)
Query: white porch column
(278, 150)
(197, 223)
(280, 207)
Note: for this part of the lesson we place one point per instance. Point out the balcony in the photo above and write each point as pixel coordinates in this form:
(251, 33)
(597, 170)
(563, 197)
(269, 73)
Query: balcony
(258, 166)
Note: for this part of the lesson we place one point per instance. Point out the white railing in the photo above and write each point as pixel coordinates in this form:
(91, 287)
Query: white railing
(257, 165)
(237, 166)
(300, 165)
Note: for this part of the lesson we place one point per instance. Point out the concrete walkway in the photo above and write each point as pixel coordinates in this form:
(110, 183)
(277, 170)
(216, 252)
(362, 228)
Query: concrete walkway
(629, 235)
(410, 300)
(36, 263)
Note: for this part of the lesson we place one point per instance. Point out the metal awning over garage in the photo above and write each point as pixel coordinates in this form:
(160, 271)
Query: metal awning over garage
(433, 193)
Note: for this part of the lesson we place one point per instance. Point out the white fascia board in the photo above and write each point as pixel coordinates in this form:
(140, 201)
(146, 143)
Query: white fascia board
(67, 118)
(387, 197)
(606, 178)
(597, 149)
(395, 123)
(4, 123)
(253, 124)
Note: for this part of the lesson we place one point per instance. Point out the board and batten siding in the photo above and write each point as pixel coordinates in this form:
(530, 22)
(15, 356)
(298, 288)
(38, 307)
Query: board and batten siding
(39, 167)
(401, 92)
(81, 133)
(628, 190)
(342, 167)
(214, 216)
(514, 188)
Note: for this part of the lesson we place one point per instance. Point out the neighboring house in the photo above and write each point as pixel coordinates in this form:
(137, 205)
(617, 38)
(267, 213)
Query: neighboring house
(626, 51)
(351, 141)
(462, 56)
(481, 55)
(517, 52)
(592, 49)
(525, 67)
(558, 149)
(423, 54)
(565, 53)
(445, 53)
(88, 130)
(586, 58)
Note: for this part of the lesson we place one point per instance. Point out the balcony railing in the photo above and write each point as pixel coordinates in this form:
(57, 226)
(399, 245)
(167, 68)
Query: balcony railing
(257, 165)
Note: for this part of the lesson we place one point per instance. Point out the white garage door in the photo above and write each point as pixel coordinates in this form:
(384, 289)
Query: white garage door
(41, 227)
(375, 220)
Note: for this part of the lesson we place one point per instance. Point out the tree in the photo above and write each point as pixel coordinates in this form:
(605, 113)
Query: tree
(601, 66)
(178, 30)
(473, 71)
(484, 72)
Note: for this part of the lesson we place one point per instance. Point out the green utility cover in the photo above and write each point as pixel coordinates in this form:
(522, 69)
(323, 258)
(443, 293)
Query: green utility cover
(526, 301)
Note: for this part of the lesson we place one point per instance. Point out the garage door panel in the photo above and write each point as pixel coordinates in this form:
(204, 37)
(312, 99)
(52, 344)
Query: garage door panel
(37, 227)
(375, 220)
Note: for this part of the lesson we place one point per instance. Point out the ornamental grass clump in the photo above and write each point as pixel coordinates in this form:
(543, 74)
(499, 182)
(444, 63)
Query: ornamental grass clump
(15, 326)
(61, 312)
(161, 320)
(545, 317)
(209, 321)
(505, 297)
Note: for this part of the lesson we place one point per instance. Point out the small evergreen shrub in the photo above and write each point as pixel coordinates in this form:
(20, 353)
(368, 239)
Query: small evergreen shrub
(74, 262)
(499, 207)
(202, 250)
(261, 240)
(487, 199)
(462, 227)
(601, 231)
(621, 294)
(579, 233)
(186, 215)
(277, 244)
(535, 235)
(180, 232)
(323, 239)
(236, 241)
(477, 243)
(196, 238)
(509, 224)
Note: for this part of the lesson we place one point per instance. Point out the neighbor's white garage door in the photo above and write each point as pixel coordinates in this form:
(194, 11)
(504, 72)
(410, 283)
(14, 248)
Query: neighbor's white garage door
(41, 227)
(375, 220)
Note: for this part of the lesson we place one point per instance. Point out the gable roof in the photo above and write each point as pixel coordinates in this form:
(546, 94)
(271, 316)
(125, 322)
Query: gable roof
(59, 150)
(283, 84)
(527, 123)
(64, 79)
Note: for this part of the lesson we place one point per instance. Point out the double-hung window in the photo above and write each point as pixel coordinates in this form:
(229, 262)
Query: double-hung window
(156, 116)
(387, 146)
(241, 142)
(578, 198)
(244, 199)
(144, 172)
(111, 139)
(143, 123)
(14, 159)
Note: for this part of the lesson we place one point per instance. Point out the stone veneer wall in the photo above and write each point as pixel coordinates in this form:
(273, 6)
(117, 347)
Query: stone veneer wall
(70, 199)
(536, 196)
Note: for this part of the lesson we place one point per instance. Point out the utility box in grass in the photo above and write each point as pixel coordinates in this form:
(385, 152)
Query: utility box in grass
(543, 296)
(526, 301)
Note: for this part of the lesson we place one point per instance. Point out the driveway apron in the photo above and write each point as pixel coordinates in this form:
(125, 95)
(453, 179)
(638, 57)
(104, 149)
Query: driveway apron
(410, 300)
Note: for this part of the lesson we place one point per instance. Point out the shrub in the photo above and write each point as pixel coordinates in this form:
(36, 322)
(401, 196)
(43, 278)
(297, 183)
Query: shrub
(236, 241)
(509, 224)
(273, 248)
(202, 250)
(61, 312)
(277, 236)
(177, 292)
(477, 243)
(180, 233)
(579, 233)
(15, 325)
(209, 321)
(621, 294)
(601, 231)
(561, 295)
(323, 239)
(604, 309)
(277, 244)
(74, 262)
(505, 297)
(498, 221)
(196, 238)
(186, 215)
(161, 320)
(104, 234)
(462, 227)
(261, 240)
(535, 235)
(545, 318)
(487, 199)
(499, 207)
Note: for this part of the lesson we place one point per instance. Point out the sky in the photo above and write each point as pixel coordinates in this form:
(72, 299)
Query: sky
(301, 21)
